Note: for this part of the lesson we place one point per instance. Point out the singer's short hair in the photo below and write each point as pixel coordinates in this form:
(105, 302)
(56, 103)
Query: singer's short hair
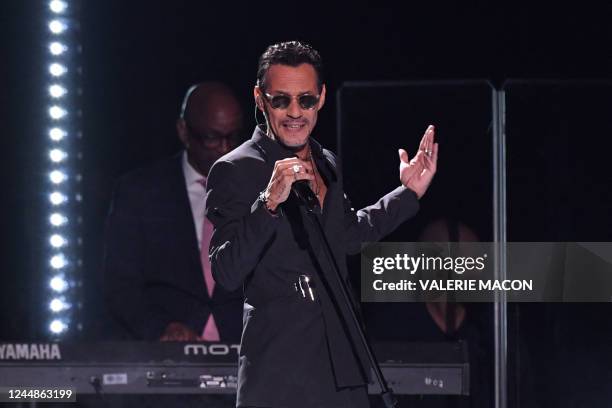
(291, 53)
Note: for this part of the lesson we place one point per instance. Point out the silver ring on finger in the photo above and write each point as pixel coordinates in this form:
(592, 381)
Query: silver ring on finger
(296, 168)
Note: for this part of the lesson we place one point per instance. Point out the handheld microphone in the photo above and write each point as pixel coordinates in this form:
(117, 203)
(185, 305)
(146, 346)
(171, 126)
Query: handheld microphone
(305, 195)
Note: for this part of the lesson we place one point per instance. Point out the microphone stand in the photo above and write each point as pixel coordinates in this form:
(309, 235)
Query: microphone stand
(307, 197)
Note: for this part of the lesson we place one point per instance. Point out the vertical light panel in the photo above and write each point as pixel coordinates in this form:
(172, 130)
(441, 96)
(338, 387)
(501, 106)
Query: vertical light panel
(62, 241)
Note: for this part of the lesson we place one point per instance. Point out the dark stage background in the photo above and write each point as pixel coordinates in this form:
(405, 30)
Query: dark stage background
(139, 57)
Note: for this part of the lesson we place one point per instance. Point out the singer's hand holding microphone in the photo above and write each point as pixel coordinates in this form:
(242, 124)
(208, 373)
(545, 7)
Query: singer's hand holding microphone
(285, 173)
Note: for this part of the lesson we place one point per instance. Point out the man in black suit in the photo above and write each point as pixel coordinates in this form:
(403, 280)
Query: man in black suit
(296, 348)
(158, 280)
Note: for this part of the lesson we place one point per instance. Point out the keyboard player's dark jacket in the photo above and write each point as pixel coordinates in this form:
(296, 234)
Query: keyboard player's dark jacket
(152, 268)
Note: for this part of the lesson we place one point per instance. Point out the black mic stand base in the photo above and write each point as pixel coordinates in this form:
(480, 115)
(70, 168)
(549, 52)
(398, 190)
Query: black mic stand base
(389, 399)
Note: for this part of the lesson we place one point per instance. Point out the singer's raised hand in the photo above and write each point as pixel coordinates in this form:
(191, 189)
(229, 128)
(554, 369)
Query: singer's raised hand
(417, 173)
(285, 173)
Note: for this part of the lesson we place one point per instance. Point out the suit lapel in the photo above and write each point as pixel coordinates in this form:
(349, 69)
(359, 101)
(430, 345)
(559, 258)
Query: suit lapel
(185, 228)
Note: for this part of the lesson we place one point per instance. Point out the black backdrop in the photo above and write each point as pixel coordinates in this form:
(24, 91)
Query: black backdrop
(138, 58)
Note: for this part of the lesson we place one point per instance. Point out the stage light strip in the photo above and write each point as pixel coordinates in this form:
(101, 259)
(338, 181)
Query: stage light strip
(63, 264)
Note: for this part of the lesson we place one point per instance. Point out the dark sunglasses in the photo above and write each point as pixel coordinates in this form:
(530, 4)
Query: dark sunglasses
(305, 101)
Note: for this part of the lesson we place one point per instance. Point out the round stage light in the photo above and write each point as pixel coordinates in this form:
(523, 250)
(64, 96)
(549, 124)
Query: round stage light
(58, 6)
(57, 198)
(57, 134)
(57, 219)
(57, 326)
(58, 284)
(57, 70)
(57, 48)
(57, 27)
(57, 91)
(56, 112)
(57, 305)
(58, 261)
(57, 155)
(57, 241)
(57, 177)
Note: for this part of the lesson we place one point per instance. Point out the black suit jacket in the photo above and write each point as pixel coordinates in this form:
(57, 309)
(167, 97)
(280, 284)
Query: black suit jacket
(290, 344)
(153, 274)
